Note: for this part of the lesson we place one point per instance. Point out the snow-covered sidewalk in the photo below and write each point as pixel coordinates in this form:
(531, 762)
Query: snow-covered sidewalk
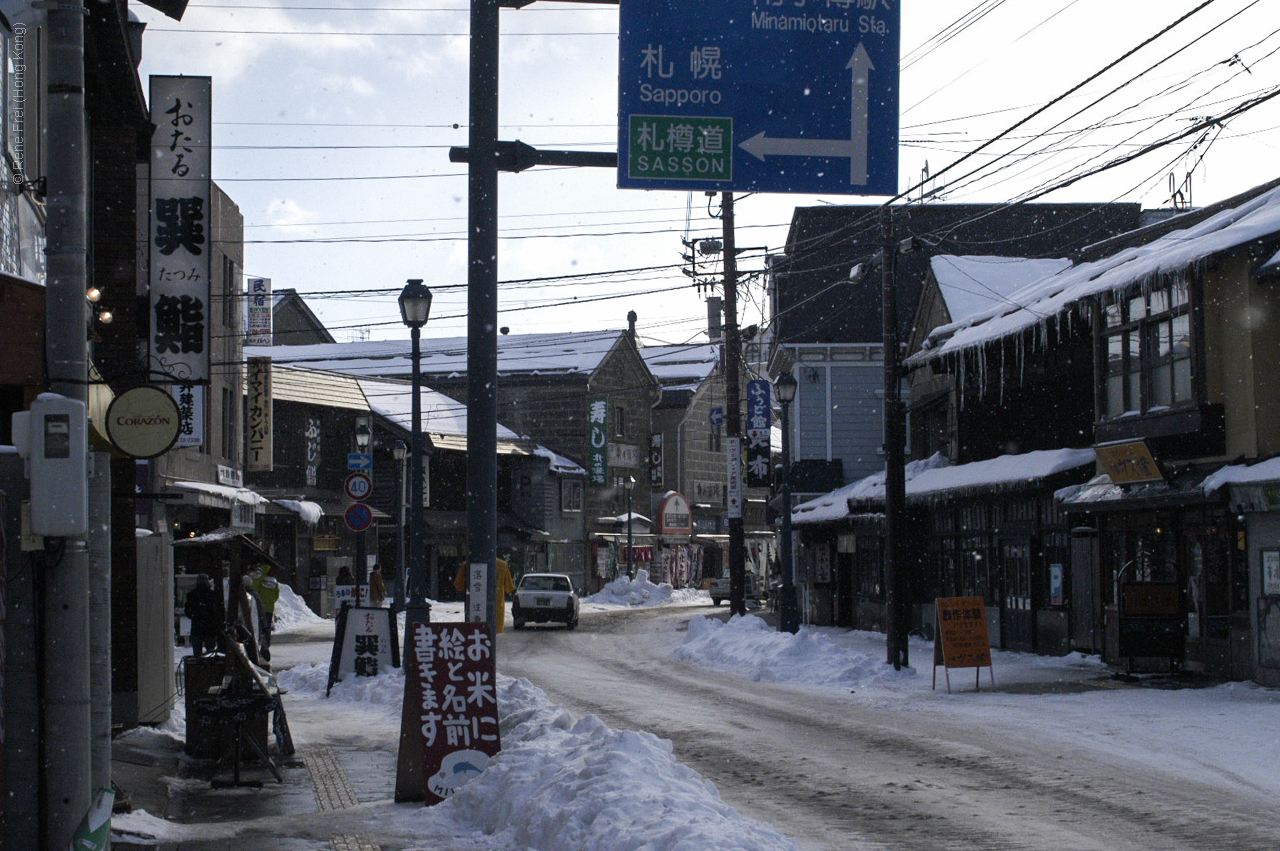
(562, 783)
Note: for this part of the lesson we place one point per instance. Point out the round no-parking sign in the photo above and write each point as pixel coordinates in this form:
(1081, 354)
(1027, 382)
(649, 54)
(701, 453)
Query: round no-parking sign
(358, 516)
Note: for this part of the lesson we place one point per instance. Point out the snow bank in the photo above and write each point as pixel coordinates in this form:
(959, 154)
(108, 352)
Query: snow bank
(292, 611)
(749, 647)
(561, 783)
(639, 591)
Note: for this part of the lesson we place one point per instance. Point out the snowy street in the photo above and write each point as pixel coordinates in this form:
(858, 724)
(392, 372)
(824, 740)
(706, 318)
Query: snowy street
(857, 757)
(662, 728)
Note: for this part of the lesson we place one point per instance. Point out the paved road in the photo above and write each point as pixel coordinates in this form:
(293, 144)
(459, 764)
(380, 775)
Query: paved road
(837, 774)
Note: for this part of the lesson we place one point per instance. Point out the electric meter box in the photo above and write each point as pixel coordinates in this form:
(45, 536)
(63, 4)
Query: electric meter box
(53, 438)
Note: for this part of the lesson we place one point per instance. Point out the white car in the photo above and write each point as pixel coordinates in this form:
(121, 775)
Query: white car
(545, 598)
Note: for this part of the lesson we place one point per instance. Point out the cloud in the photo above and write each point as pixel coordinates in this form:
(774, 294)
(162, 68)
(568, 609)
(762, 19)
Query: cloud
(286, 211)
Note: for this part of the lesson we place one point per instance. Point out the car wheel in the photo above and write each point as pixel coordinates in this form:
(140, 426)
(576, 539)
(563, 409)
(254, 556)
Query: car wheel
(573, 624)
(715, 601)
(518, 623)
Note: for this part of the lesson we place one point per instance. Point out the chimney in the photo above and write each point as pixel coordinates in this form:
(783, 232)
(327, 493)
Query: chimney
(631, 325)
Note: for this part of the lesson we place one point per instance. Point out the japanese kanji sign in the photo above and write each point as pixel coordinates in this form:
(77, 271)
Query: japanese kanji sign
(258, 312)
(759, 421)
(364, 642)
(259, 445)
(449, 721)
(961, 639)
(598, 443)
(178, 239)
(190, 399)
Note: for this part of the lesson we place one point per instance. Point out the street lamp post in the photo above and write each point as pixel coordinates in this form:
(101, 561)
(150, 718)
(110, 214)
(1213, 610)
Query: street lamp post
(788, 611)
(415, 307)
(631, 559)
(400, 452)
(363, 438)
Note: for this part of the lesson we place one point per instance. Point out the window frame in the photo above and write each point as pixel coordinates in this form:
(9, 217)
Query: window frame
(1147, 343)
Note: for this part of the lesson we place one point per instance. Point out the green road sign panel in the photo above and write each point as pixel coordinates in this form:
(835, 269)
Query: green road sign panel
(680, 147)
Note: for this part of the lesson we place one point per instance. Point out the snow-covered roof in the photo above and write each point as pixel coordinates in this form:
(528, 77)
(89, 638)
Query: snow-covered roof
(972, 284)
(444, 420)
(559, 464)
(933, 477)
(1264, 472)
(538, 354)
(835, 505)
(230, 494)
(1173, 252)
(684, 366)
(310, 512)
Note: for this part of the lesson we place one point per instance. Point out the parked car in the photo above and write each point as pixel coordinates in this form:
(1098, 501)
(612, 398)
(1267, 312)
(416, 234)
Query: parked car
(545, 598)
(719, 587)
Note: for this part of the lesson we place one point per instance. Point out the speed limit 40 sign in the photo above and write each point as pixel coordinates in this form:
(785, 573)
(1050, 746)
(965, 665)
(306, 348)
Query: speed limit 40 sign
(358, 486)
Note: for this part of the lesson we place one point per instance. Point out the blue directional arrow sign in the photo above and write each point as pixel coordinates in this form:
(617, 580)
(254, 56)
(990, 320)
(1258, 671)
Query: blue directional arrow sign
(759, 95)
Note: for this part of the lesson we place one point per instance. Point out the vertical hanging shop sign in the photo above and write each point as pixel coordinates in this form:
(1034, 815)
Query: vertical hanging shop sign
(190, 399)
(259, 445)
(258, 310)
(598, 443)
(178, 240)
(759, 422)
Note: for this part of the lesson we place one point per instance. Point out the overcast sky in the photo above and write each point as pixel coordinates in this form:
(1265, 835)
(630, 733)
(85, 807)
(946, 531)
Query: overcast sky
(333, 119)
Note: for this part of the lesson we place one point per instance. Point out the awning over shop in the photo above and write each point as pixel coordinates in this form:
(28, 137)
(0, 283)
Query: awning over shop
(1100, 494)
(218, 496)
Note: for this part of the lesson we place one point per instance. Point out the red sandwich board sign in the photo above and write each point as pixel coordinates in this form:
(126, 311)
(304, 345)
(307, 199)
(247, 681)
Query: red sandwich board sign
(960, 637)
(449, 719)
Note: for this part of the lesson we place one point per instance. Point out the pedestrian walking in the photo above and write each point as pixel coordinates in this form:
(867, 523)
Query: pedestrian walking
(267, 587)
(377, 586)
(207, 613)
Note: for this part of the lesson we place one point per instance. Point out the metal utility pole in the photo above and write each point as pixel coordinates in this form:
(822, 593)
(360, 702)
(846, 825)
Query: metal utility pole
(894, 454)
(732, 412)
(65, 725)
(482, 302)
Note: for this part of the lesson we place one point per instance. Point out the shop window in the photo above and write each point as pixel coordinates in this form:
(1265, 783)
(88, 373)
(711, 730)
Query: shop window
(1148, 343)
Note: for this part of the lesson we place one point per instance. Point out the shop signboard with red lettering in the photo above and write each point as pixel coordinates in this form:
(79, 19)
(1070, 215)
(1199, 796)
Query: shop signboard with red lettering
(960, 636)
(449, 721)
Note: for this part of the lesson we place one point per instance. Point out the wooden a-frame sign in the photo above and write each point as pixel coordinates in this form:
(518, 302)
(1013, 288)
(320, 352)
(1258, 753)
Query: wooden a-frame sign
(961, 639)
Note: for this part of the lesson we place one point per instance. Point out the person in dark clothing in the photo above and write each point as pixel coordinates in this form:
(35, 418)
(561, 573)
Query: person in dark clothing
(208, 616)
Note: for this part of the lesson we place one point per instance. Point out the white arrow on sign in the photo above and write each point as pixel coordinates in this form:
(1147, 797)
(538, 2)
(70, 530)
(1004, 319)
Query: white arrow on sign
(855, 147)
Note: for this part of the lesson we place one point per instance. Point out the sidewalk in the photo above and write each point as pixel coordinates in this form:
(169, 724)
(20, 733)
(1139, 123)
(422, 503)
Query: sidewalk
(158, 777)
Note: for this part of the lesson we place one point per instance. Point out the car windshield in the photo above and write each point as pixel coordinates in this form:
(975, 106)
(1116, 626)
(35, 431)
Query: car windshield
(544, 583)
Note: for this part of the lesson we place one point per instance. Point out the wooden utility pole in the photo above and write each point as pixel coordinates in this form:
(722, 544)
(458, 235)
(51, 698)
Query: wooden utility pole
(895, 485)
(733, 413)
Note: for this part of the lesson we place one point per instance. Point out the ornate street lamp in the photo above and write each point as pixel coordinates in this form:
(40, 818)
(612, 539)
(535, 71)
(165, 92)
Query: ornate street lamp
(363, 438)
(415, 308)
(788, 612)
(631, 559)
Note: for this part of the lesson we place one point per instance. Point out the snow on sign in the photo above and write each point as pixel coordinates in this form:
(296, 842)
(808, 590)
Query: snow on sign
(759, 95)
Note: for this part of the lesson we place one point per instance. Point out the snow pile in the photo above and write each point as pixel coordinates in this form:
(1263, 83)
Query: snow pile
(748, 647)
(292, 610)
(561, 783)
(639, 591)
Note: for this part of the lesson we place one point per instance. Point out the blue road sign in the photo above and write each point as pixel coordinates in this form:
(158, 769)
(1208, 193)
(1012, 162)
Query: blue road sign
(359, 460)
(759, 95)
(716, 417)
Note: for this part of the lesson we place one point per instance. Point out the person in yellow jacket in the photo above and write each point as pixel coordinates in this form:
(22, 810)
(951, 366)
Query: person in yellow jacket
(267, 588)
(505, 587)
